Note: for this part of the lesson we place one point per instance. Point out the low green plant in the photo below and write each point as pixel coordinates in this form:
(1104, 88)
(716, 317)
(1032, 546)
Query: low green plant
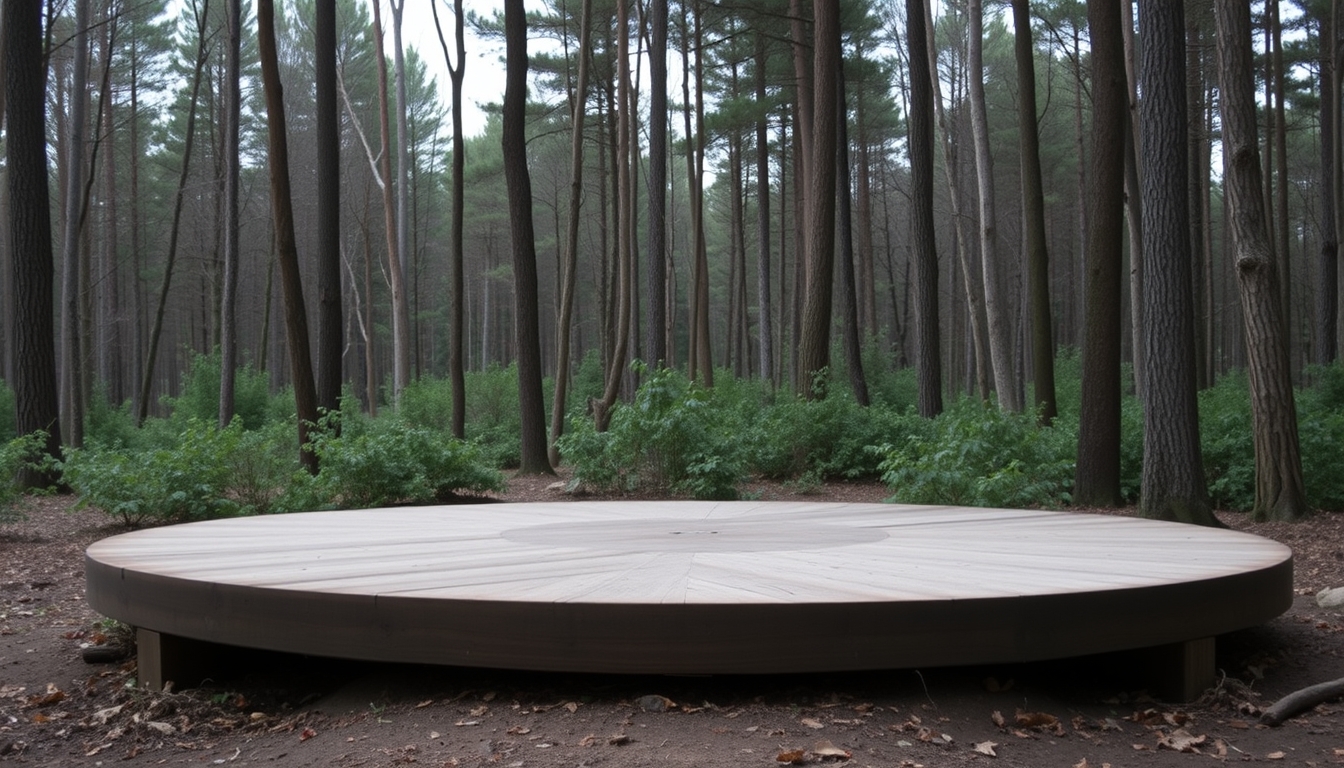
(193, 480)
(977, 455)
(199, 398)
(18, 453)
(827, 437)
(670, 438)
(390, 462)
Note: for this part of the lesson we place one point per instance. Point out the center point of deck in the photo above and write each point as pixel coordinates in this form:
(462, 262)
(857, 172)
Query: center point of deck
(680, 535)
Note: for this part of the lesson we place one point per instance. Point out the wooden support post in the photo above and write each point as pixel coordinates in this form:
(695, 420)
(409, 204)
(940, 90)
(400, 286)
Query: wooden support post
(1182, 671)
(163, 658)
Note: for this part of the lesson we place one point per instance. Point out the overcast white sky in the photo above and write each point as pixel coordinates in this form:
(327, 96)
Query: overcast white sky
(484, 81)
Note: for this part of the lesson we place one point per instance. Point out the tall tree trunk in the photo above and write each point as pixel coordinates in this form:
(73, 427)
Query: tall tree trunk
(228, 315)
(330, 324)
(1097, 474)
(1279, 491)
(815, 350)
(287, 251)
(456, 369)
(853, 350)
(656, 276)
(624, 221)
(962, 233)
(34, 350)
(401, 314)
(923, 242)
(531, 404)
(996, 300)
(112, 337)
(72, 360)
(147, 381)
(1133, 197)
(403, 182)
(1327, 294)
(765, 343)
(1033, 215)
(1280, 139)
(1196, 20)
(578, 112)
(1173, 470)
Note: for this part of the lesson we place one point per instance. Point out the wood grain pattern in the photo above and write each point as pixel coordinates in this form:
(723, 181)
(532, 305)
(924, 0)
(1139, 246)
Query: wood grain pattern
(690, 587)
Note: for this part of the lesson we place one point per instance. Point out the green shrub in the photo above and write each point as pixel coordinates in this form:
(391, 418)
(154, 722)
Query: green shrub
(7, 428)
(192, 480)
(18, 453)
(199, 398)
(1226, 442)
(427, 403)
(671, 438)
(829, 438)
(389, 463)
(979, 456)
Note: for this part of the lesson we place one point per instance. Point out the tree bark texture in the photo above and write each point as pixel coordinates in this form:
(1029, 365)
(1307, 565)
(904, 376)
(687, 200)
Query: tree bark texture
(996, 299)
(850, 304)
(1097, 475)
(1327, 283)
(765, 310)
(1173, 469)
(34, 333)
(923, 244)
(656, 275)
(1279, 491)
(1033, 215)
(401, 313)
(624, 222)
(815, 349)
(531, 404)
(72, 367)
(330, 324)
(228, 310)
(286, 246)
(571, 258)
(962, 237)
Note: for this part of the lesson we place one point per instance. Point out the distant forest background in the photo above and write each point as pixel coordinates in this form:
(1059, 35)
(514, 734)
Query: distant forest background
(732, 190)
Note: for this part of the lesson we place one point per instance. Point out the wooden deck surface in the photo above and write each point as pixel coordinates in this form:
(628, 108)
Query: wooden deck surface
(690, 587)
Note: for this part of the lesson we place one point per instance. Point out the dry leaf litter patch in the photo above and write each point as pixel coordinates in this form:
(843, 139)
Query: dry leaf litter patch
(58, 710)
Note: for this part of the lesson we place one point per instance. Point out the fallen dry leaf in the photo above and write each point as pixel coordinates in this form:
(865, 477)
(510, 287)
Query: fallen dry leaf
(996, 717)
(466, 723)
(478, 711)
(825, 748)
(1276, 755)
(619, 740)
(519, 730)
(812, 722)
(987, 748)
(588, 741)
(572, 706)
(1181, 740)
(1082, 764)
(53, 695)
(424, 704)
(1035, 719)
(307, 734)
(791, 757)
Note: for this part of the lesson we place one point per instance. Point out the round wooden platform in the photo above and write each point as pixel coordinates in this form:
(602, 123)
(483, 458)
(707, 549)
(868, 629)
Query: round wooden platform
(690, 587)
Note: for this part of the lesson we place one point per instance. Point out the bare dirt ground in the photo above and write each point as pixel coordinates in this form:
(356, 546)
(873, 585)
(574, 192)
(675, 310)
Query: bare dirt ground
(58, 710)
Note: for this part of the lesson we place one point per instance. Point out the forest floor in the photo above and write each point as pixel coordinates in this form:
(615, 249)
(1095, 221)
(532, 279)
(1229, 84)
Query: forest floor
(58, 710)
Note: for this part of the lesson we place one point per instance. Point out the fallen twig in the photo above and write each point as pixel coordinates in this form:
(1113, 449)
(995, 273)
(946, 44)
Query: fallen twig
(1304, 699)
